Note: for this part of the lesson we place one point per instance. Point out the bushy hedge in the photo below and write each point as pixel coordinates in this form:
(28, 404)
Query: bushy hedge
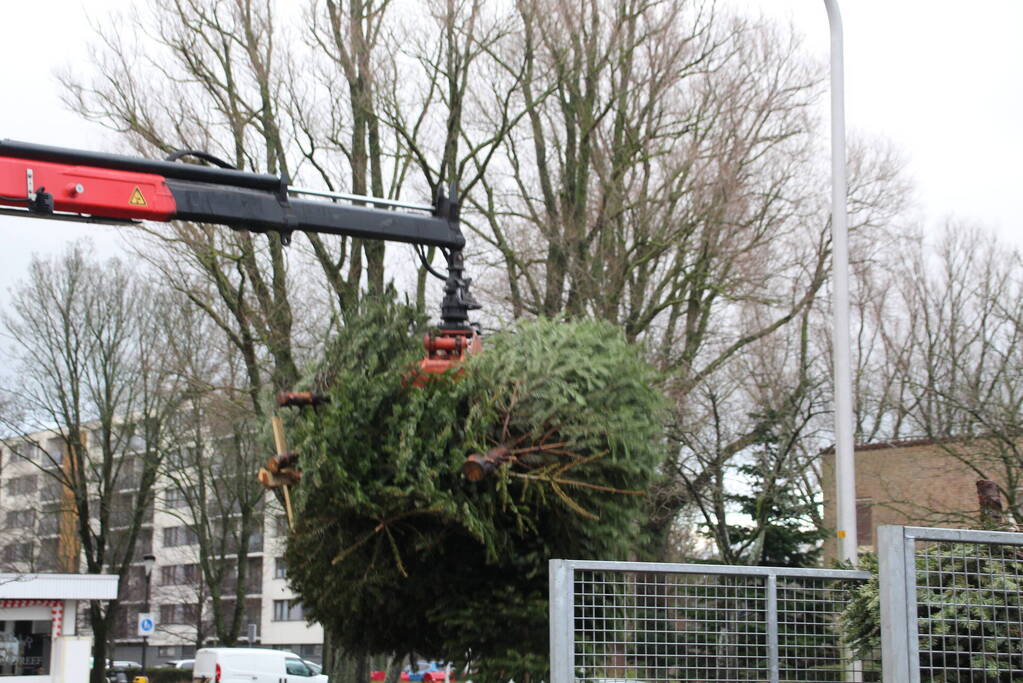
(161, 675)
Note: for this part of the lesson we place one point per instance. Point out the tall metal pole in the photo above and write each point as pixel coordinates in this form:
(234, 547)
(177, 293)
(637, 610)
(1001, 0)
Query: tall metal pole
(148, 562)
(145, 639)
(845, 466)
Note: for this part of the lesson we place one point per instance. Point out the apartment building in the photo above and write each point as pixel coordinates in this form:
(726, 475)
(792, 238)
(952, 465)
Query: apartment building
(39, 534)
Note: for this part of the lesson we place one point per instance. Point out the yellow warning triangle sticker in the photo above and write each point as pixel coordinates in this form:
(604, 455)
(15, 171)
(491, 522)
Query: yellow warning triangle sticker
(136, 198)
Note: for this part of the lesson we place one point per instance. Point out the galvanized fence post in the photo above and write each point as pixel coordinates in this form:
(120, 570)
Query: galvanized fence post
(773, 666)
(562, 590)
(900, 658)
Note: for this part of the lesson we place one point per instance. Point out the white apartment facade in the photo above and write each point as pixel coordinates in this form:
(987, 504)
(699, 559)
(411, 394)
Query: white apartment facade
(37, 534)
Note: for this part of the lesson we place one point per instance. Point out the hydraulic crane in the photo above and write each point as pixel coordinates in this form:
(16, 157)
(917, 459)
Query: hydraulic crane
(77, 185)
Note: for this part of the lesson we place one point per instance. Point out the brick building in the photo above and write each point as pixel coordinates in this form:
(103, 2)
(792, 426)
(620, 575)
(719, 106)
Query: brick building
(919, 482)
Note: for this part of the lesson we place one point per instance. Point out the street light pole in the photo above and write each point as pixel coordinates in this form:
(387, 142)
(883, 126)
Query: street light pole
(148, 561)
(845, 465)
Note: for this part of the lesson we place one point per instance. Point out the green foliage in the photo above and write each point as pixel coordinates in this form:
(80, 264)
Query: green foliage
(861, 619)
(970, 605)
(161, 675)
(398, 552)
(783, 516)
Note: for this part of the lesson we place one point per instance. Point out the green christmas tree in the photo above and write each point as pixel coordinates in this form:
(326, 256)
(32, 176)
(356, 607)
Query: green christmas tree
(398, 551)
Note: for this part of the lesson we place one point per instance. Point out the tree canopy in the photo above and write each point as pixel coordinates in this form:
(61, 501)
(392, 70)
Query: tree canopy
(397, 551)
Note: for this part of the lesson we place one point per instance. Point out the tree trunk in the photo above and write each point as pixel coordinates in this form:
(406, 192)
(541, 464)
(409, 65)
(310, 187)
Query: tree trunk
(100, 635)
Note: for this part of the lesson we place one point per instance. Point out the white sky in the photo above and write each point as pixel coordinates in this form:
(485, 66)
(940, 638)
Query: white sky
(942, 79)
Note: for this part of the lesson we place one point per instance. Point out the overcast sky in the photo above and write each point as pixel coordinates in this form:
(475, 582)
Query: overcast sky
(942, 79)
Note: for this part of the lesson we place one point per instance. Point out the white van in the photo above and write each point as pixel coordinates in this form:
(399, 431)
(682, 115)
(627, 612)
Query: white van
(251, 665)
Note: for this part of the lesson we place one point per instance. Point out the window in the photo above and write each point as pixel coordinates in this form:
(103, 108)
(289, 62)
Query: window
(123, 509)
(179, 574)
(281, 525)
(179, 535)
(129, 474)
(21, 486)
(253, 616)
(178, 614)
(117, 541)
(143, 544)
(296, 667)
(254, 576)
(179, 458)
(280, 568)
(134, 587)
(26, 647)
(55, 452)
(865, 521)
(18, 552)
(175, 651)
(24, 451)
(174, 498)
(311, 651)
(21, 519)
(49, 522)
(49, 559)
(136, 443)
(51, 489)
(288, 610)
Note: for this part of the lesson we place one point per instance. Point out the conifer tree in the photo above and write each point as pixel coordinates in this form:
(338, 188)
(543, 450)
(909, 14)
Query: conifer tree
(397, 551)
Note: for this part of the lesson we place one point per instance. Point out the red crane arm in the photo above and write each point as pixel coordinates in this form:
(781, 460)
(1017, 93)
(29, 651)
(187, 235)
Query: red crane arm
(69, 184)
(86, 190)
(74, 184)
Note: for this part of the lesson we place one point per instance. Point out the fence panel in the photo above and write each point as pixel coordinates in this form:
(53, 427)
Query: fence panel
(951, 605)
(623, 622)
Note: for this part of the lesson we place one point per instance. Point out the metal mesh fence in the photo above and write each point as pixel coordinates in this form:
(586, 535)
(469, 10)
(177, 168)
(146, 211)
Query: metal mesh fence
(644, 622)
(956, 601)
(809, 644)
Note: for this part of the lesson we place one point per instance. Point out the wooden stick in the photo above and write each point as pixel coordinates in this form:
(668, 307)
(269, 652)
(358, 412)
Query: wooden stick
(282, 448)
(287, 507)
(279, 441)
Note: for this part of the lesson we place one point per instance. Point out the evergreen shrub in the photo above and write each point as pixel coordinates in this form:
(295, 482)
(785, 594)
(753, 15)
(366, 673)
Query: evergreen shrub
(969, 616)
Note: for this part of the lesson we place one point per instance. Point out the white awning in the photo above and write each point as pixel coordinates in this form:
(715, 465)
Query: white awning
(58, 586)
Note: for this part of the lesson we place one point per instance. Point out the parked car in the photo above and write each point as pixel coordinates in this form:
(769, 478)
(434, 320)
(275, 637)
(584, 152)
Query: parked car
(180, 664)
(251, 665)
(433, 672)
(377, 676)
(317, 668)
(425, 672)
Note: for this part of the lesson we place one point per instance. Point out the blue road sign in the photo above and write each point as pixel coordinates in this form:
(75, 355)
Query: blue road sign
(147, 625)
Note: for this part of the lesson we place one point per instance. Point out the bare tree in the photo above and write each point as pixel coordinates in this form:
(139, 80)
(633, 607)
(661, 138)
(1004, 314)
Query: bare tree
(231, 85)
(947, 338)
(88, 340)
(221, 75)
(753, 439)
(221, 505)
(650, 163)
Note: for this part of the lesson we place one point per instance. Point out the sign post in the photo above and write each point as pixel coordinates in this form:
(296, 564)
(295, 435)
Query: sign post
(146, 627)
(147, 624)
